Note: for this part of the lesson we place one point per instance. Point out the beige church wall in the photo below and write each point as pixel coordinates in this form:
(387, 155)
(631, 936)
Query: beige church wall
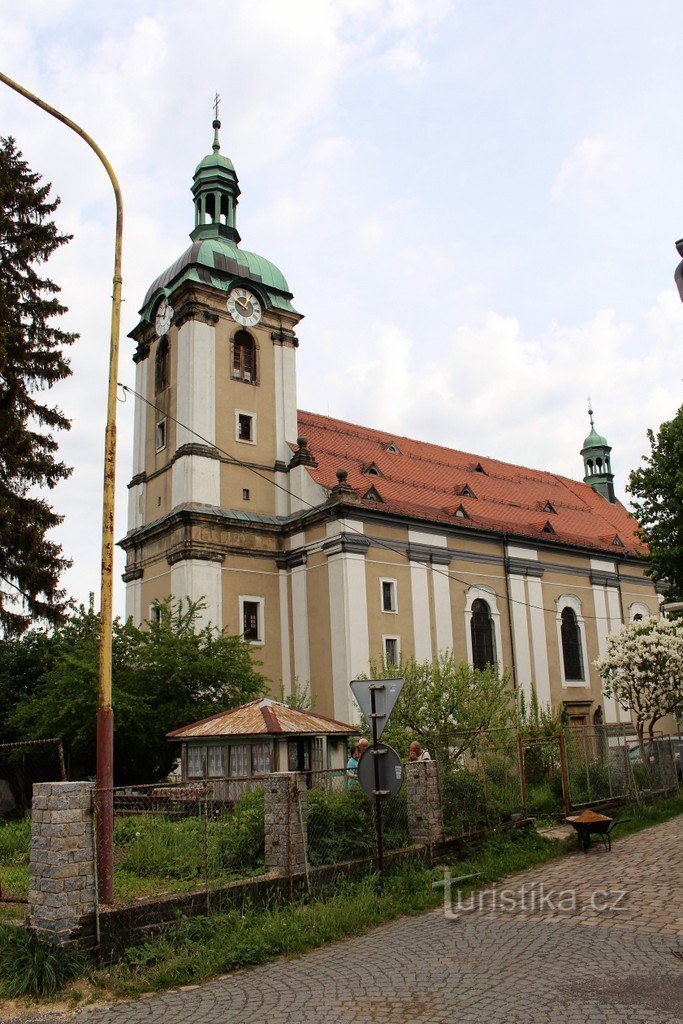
(320, 653)
(156, 585)
(556, 556)
(234, 479)
(158, 494)
(257, 578)
(256, 399)
(382, 564)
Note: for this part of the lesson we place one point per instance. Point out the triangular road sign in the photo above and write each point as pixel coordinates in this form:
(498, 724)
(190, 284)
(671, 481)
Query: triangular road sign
(386, 694)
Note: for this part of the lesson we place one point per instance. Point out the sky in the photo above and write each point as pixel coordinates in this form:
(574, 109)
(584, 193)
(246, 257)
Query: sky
(474, 202)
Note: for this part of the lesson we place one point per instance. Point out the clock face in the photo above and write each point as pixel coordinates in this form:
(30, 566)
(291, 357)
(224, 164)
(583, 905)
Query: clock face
(162, 320)
(244, 307)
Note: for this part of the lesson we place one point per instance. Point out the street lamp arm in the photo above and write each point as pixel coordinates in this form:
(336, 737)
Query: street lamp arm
(105, 717)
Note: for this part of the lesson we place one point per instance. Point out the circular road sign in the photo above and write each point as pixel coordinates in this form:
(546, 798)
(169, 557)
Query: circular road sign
(390, 771)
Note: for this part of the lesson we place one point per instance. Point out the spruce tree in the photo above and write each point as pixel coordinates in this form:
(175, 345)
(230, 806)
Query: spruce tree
(32, 360)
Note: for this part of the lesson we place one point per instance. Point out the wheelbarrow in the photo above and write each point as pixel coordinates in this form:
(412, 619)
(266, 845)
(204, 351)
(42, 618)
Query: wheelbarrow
(590, 823)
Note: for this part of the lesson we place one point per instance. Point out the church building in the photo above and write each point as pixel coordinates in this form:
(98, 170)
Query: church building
(329, 545)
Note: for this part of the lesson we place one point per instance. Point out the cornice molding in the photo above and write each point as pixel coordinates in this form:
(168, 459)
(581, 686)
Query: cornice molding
(346, 543)
(524, 567)
(604, 579)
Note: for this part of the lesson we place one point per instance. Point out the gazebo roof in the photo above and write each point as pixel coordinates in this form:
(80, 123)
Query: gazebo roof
(263, 717)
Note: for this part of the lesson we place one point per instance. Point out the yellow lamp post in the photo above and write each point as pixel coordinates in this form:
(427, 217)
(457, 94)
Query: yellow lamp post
(105, 716)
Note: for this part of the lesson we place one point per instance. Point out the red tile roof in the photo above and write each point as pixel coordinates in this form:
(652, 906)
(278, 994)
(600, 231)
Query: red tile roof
(425, 481)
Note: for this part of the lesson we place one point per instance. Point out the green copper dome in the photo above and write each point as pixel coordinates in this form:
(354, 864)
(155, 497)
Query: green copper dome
(219, 262)
(595, 440)
(214, 258)
(213, 160)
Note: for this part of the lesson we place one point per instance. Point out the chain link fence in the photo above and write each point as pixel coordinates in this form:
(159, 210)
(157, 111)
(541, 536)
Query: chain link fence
(605, 763)
(341, 823)
(176, 838)
(22, 764)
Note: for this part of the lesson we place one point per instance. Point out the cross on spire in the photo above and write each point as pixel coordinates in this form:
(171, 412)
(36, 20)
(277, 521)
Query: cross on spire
(216, 104)
(590, 410)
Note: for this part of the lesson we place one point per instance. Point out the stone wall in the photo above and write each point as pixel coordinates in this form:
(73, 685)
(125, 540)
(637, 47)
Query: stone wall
(425, 816)
(61, 894)
(286, 811)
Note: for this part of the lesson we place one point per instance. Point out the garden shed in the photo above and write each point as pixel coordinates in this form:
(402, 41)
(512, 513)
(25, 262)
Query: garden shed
(262, 736)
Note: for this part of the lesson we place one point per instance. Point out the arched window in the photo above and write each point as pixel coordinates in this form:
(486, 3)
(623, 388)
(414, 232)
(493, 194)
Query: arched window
(161, 369)
(244, 357)
(481, 625)
(571, 646)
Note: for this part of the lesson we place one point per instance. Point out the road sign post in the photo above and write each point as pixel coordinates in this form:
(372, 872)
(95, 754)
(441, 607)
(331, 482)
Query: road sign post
(376, 699)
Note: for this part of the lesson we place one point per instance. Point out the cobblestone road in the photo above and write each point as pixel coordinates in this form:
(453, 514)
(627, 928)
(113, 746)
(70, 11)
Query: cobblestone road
(530, 964)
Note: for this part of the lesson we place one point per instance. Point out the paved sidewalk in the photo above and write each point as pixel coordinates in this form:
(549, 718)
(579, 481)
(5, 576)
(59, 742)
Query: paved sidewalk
(523, 965)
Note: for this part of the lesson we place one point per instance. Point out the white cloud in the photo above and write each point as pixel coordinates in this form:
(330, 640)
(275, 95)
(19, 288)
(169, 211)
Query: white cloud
(588, 160)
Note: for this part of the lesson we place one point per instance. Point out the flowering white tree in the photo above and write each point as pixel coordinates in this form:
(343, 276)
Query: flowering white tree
(642, 668)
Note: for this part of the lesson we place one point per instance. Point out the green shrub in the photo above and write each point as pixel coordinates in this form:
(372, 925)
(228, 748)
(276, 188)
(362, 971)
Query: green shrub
(464, 804)
(238, 843)
(340, 826)
(29, 966)
(15, 839)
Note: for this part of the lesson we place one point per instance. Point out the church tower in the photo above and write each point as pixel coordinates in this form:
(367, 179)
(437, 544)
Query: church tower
(596, 463)
(215, 409)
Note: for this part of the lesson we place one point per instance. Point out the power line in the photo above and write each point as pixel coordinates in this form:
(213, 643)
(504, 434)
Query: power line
(376, 542)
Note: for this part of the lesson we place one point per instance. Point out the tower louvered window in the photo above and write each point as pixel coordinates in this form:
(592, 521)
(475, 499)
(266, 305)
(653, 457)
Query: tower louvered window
(483, 647)
(244, 357)
(571, 646)
(161, 375)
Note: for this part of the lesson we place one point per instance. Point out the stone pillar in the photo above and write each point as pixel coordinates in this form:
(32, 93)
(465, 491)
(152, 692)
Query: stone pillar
(286, 814)
(61, 896)
(425, 816)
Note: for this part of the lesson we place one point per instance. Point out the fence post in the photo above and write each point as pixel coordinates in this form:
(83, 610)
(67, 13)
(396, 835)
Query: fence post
(61, 896)
(423, 797)
(286, 812)
(566, 797)
(522, 774)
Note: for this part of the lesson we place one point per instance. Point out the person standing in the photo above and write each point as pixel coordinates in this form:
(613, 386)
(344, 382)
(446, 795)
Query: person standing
(416, 753)
(352, 768)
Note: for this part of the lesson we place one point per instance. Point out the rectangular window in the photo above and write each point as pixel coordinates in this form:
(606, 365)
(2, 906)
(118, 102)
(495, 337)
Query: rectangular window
(317, 754)
(239, 760)
(260, 759)
(252, 619)
(389, 602)
(195, 762)
(161, 435)
(215, 761)
(245, 494)
(245, 426)
(392, 650)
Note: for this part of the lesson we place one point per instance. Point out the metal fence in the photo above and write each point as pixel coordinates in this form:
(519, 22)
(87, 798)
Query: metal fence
(176, 838)
(488, 778)
(22, 764)
(341, 824)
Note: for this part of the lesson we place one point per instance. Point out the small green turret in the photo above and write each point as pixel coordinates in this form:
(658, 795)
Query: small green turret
(216, 191)
(596, 462)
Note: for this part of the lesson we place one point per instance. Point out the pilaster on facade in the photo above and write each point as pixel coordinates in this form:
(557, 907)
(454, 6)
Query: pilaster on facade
(350, 640)
(137, 486)
(195, 476)
(527, 616)
(200, 581)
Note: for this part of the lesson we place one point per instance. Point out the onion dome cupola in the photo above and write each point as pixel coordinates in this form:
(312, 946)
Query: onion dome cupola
(596, 463)
(215, 258)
